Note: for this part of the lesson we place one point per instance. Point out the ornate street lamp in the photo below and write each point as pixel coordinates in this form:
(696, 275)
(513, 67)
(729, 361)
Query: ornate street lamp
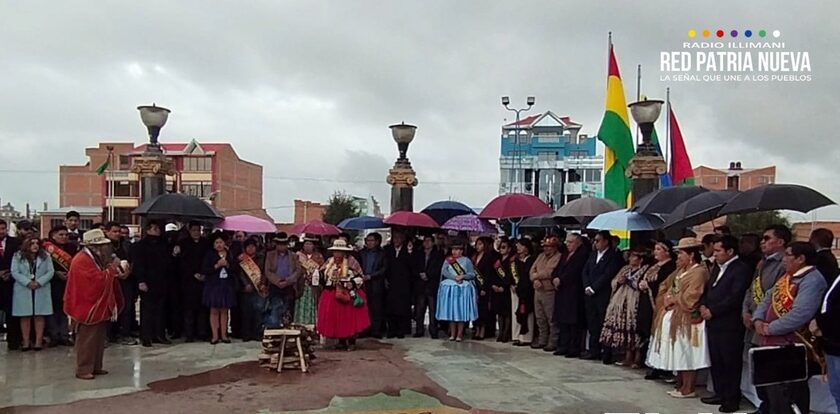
(646, 165)
(152, 166)
(530, 102)
(402, 177)
(154, 118)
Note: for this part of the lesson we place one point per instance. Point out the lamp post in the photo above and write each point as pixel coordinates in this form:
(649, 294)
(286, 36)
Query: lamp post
(646, 165)
(152, 166)
(505, 102)
(402, 177)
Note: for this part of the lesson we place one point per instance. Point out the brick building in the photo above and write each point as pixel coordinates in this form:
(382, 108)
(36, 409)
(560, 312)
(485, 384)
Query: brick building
(213, 172)
(304, 212)
(802, 231)
(734, 178)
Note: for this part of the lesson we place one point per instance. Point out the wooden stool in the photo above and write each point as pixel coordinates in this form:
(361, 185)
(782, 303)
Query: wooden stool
(284, 348)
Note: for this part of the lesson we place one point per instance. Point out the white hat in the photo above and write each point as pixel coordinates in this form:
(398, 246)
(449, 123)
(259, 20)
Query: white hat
(94, 237)
(171, 227)
(339, 245)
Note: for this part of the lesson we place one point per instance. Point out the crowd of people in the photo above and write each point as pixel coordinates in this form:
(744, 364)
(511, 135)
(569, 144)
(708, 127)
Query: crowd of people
(672, 309)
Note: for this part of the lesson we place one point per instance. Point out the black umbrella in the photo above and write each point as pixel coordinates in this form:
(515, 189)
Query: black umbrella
(442, 211)
(699, 209)
(663, 201)
(546, 220)
(179, 207)
(776, 197)
(587, 207)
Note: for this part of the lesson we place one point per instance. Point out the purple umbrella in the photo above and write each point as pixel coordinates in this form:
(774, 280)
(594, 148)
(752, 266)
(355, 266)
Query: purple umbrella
(470, 223)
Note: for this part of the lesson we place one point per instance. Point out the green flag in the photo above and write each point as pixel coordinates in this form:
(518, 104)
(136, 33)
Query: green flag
(102, 168)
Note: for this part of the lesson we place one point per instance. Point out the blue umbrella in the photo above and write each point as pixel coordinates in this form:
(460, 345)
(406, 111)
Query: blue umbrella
(626, 220)
(442, 211)
(362, 223)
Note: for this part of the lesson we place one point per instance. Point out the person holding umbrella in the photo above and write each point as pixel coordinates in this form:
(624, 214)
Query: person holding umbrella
(456, 300)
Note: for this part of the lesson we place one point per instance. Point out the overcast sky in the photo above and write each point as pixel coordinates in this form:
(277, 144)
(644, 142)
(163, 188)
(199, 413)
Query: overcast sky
(308, 88)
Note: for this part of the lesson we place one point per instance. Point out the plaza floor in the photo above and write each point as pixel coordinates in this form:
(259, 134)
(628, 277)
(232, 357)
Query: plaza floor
(402, 376)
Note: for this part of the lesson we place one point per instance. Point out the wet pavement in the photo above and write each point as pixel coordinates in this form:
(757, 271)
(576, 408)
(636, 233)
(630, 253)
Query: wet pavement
(406, 376)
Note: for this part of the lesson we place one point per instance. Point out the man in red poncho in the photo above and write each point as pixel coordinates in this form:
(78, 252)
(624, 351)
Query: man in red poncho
(92, 299)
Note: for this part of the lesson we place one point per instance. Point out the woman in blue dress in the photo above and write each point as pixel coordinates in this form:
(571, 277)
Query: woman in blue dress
(457, 302)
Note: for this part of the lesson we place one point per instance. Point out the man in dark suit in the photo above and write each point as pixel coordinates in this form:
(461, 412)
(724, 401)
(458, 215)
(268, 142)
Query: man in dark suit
(8, 247)
(568, 301)
(152, 264)
(72, 220)
(372, 260)
(721, 308)
(428, 264)
(398, 286)
(822, 239)
(602, 266)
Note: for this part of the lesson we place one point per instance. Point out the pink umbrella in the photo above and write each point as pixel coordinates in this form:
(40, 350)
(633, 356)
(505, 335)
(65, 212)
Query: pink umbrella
(248, 224)
(410, 219)
(513, 206)
(317, 228)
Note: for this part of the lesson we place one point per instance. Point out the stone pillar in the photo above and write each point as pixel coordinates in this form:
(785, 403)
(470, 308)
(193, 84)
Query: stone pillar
(152, 167)
(644, 171)
(402, 180)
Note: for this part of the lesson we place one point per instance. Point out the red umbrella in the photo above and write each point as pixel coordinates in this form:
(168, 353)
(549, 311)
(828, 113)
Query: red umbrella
(317, 228)
(411, 219)
(514, 205)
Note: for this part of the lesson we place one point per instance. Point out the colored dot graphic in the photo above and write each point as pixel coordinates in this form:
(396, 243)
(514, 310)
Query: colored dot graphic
(692, 33)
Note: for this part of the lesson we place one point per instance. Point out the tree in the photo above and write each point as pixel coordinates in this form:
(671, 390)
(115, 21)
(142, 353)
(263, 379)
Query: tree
(754, 222)
(340, 207)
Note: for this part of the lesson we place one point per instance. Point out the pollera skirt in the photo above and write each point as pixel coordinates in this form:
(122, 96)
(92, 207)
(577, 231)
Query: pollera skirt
(456, 302)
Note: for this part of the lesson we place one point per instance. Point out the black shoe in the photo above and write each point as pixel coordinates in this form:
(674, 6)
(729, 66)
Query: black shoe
(713, 400)
(433, 336)
(376, 336)
(537, 346)
(521, 344)
(561, 352)
(573, 355)
(147, 343)
(607, 361)
(653, 375)
(163, 341)
(730, 408)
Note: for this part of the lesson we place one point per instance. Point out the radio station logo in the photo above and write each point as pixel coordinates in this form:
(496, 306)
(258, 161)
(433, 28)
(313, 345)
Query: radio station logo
(735, 56)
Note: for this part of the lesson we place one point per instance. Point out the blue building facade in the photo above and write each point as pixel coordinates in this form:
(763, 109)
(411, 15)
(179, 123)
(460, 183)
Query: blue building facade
(546, 156)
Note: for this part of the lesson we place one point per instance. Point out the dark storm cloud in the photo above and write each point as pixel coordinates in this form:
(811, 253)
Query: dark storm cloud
(307, 89)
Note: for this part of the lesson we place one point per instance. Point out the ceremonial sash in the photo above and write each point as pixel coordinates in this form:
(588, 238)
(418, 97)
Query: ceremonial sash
(757, 290)
(514, 272)
(341, 267)
(783, 296)
(478, 276)
(500, 270)
(58, 255)
(459, 270)
(252, 270)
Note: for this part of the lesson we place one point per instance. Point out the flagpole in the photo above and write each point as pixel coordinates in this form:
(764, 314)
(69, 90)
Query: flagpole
(668, 148)
(110, 178)
(638, 95)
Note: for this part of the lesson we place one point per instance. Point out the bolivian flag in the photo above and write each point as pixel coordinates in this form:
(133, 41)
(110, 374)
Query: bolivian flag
(615, 134)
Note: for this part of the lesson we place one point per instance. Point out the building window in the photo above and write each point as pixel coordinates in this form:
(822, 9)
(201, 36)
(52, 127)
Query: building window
(763, 180)
(573, 177)
(836, 243)
(197, 163)
(547, 156)
(592, 175)
(578, 154)
(123, 215)
(124, 189)
(125, 163)
(548, 139)
(201, 190)
(732, 183)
